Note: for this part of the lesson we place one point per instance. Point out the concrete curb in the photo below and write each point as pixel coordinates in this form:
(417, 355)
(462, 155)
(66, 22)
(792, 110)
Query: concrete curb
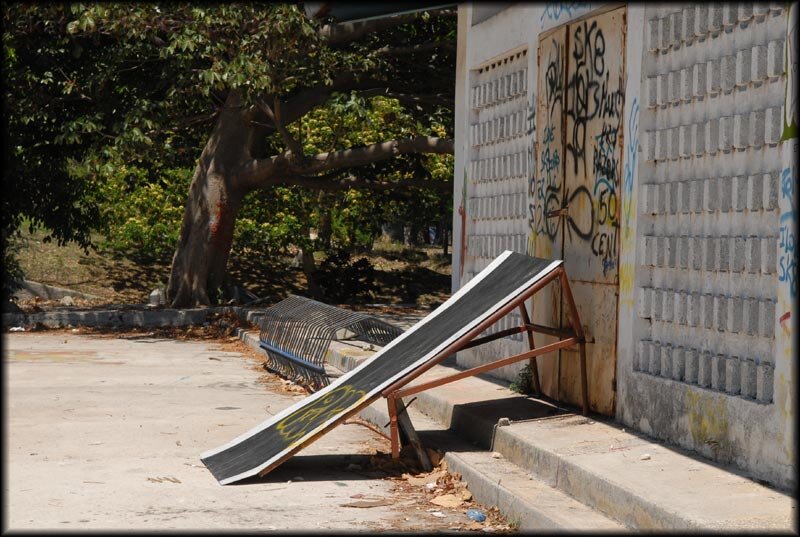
(588, 488)
(139, 317)
(592, 487)
(487, 481)
(492, 489)
(51, 292)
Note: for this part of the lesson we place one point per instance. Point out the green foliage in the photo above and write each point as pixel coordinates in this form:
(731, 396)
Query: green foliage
(355, 221)
(356, 215)
(522, 384)
(272, 220)
(142, 217)
(256, 48)
(109, 105)
(276, 218)
(12, 272)
(78, 107)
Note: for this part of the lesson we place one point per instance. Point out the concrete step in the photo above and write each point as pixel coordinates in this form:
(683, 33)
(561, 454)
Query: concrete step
(641, 482)
(638, 481)
(523, 499)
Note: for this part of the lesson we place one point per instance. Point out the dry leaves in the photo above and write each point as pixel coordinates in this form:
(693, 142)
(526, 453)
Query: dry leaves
(448, 500)
(448, 492)
(433, 477)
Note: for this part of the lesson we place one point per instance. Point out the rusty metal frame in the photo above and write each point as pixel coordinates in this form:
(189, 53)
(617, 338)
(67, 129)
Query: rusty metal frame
(567, 338)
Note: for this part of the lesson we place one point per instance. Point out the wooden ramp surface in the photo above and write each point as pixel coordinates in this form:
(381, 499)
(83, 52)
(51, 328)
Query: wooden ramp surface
(269, 444)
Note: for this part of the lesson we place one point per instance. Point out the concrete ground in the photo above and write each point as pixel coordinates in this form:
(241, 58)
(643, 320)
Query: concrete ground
(106, 433)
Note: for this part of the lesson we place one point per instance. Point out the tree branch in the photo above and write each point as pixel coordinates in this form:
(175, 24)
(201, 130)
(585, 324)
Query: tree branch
(198, 118)
(411, 49)
(361, 156)
(343, 33)
(295, 149)
(307, 100)
(259, 172)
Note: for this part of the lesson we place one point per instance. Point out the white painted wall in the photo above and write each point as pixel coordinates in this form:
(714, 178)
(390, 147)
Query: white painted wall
(698, 361)
(703, 169)
(501, 206)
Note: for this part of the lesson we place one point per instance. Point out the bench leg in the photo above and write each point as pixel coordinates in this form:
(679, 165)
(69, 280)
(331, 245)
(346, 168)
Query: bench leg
(407, 428)
(394, 434)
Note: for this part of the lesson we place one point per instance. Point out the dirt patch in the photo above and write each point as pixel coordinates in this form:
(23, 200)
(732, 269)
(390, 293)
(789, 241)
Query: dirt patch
(418, 275)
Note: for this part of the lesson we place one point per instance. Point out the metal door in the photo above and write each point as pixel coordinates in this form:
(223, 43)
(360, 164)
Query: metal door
(578, 208)
(547, 188)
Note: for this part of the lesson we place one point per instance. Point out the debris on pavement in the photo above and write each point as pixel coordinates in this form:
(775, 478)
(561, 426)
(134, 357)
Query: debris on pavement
(476, 515)
(368, 503)
(448, 500)
(444, 490)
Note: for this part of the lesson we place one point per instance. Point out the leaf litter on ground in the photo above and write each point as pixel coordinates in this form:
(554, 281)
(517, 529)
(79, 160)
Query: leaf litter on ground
(447, 492)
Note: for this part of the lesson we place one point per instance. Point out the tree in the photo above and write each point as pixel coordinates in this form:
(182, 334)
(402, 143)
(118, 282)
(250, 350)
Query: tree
(38, 190)
(143, 83)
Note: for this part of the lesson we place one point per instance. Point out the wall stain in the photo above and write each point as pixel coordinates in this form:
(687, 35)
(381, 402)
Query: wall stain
(708, 423)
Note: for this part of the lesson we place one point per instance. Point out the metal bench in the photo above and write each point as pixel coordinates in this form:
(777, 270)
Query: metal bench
(296, 334)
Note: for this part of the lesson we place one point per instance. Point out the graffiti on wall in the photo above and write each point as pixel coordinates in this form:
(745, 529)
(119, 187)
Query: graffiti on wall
(553, 11)
(595, 103)
(787, 265)
(549, 184)
(577, 180)
(631, 155)
(549, 194)
(530, 130)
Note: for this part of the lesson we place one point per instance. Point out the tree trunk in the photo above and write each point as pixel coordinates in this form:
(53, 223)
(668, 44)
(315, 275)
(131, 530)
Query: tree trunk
(310, 270)
(408, 235)
(199, 266)
(233, 163)
(325, 226)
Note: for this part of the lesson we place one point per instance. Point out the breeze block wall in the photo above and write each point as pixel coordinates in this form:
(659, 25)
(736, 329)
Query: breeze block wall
(705, 358)
(702, 371)
(498, 165)
(494, 156)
